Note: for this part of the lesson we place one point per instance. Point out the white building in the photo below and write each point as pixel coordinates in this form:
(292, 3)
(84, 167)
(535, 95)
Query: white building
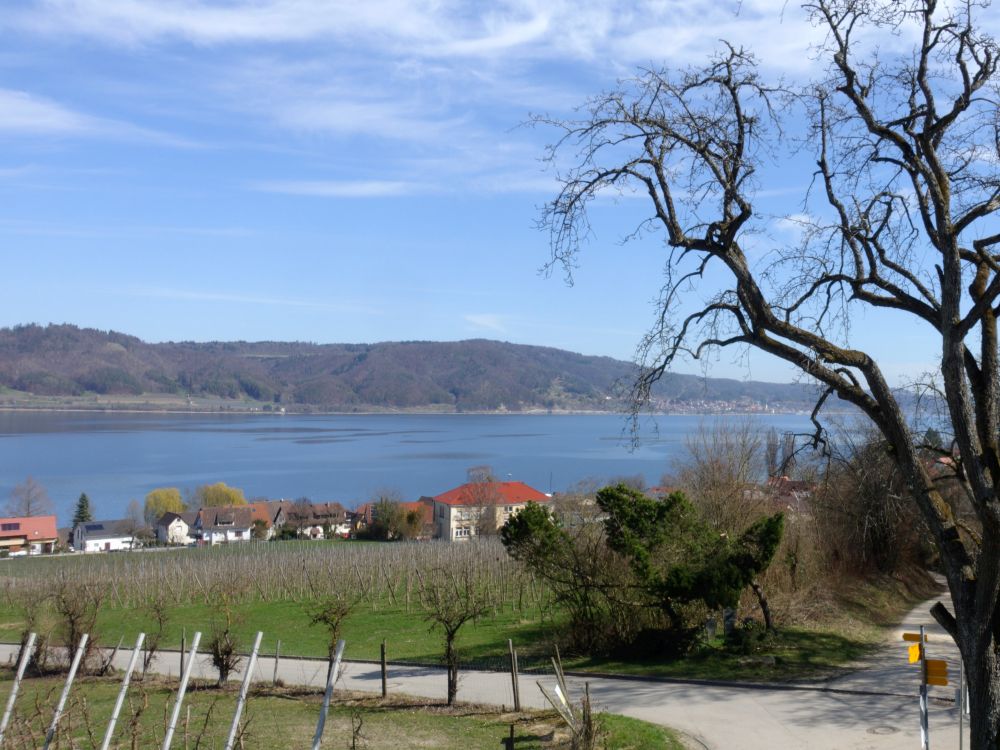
(176, 528)
(465, 511)
(104, 536)
(224, 524)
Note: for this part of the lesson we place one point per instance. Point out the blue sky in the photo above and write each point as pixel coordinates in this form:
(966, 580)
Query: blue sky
(341, 172)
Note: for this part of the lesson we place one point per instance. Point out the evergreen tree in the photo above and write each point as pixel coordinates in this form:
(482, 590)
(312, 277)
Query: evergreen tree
(82, 514)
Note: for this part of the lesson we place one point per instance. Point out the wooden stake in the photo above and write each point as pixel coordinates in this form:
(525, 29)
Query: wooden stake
(513, 675)
(65, 693)
(244, 689)
(121, 693)
(277, 655)
(185, 676)
(22, 664)
(385, 686)
(331, 677)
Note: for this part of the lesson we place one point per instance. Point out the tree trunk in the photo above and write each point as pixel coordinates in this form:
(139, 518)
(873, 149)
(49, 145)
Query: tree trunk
(451, 661)
(982, 671)
(765, 608)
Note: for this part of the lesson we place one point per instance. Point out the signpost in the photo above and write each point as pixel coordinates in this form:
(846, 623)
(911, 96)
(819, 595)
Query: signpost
(932, 672)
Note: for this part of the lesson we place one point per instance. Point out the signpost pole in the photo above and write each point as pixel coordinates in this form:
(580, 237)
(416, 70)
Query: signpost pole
(961, 702)
(924, 733)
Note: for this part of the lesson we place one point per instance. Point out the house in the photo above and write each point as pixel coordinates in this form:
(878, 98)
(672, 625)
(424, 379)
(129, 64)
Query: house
(315, 520)
(224, 524)
(270, 513)
(28, 535)
(310, 520)
(104, 536)
(477, 507)
(176, 528)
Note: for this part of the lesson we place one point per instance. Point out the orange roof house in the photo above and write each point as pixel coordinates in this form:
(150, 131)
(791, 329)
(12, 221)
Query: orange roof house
(32, 534)
(478, 508)
(492, 493)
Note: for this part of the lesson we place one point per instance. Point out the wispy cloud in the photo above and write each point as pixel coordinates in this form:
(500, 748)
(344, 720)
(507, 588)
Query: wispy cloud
(487, 322)
(339, 188)
(23, 113)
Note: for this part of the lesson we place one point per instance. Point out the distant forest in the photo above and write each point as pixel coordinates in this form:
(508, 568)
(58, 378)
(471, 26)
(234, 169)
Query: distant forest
(474, 375)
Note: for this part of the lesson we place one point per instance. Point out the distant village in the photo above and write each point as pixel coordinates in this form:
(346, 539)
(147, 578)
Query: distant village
(459, 514)
(455, 515)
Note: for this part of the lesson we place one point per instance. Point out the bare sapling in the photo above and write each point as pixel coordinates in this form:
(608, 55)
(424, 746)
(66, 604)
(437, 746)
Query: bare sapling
(224, 645)
(451, 597)
(328, 606)
(77, 604)
(157, 607)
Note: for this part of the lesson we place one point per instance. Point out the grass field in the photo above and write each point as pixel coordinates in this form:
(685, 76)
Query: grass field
(287, 719)
(271, 584)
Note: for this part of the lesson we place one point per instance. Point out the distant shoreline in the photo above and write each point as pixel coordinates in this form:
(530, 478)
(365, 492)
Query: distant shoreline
(114, 409)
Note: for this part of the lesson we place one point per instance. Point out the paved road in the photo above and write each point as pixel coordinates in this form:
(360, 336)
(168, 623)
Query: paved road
(874, 708)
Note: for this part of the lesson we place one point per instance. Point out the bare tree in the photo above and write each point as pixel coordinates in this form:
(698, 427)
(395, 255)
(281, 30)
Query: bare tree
(483, 494)
(451, 598)
(721, 474)
(902, 217)
(29, 499)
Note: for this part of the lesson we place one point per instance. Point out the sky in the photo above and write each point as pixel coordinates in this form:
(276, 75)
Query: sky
(330, 171)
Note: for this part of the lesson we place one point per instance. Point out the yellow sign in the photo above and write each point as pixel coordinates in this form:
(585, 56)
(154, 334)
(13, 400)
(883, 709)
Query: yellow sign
(914, 653)
(937, 668)
(937, 680)
(915, 637)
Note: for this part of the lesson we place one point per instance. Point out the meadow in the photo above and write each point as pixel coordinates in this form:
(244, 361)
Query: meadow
(273, 587)
(270, 587)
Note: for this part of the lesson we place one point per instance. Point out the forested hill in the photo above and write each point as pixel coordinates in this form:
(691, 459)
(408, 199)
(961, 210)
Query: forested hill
(64, 360)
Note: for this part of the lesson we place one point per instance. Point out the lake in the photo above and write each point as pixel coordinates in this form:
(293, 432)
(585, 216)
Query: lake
(115, 457)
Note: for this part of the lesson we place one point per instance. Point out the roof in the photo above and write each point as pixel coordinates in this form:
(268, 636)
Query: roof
(227, 517)
(123, 527)
(265, 510)
(297, 512)
(491, 493)
(169, 517)
(32, 528)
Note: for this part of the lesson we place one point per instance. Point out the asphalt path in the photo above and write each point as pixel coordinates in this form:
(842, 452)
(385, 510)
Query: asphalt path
(874, 707)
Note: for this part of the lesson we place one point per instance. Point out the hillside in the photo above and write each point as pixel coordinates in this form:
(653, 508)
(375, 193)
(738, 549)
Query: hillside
(474, 375)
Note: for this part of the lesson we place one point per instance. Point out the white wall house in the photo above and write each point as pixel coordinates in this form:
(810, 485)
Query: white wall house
(457, 512)
(224, 524)
(176, 528)
(104, 536)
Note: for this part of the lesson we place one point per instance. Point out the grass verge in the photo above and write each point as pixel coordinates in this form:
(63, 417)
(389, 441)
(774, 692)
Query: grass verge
(850, 626)
(287, 718)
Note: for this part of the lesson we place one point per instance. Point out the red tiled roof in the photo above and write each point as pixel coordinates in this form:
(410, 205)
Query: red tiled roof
(491, 493)
(32, 528)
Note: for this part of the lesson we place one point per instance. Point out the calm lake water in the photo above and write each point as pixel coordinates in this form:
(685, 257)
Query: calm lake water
(117, 457)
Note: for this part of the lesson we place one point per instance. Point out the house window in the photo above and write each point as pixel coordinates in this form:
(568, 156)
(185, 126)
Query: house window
(238, 534)
(509, 509)
(462, 532)
(15, 526)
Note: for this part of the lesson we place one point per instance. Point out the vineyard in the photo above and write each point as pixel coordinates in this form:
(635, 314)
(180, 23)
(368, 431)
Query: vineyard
(274, 587)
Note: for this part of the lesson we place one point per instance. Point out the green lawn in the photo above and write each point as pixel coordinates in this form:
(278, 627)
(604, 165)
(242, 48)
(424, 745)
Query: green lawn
(287, 719)
(409, 636)
(793, 654)
(854, 623)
